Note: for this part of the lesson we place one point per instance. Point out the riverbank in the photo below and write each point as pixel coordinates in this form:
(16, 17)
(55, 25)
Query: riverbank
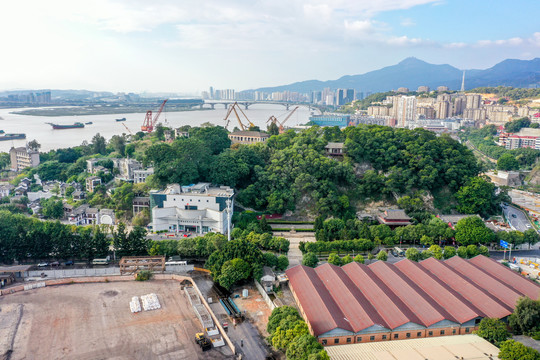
(101, 110)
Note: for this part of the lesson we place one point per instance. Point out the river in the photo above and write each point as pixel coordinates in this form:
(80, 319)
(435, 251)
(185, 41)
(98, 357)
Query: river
(35, 127)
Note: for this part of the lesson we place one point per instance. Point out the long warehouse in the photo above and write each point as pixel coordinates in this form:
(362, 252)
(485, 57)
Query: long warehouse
(360, 303)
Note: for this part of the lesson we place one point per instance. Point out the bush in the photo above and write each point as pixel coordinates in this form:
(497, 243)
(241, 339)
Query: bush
(513, 350)
(144, 275)
(493, 330)
(310, 259)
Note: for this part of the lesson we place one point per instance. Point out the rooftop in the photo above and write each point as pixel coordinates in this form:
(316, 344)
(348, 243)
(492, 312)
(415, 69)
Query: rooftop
(445, 347)
(356, 297)
(249, 133)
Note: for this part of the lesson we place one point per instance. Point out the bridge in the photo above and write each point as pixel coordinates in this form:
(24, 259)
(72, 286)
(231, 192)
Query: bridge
(247, 103)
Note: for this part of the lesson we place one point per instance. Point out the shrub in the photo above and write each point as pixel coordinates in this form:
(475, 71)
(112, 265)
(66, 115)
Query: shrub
(144, 275)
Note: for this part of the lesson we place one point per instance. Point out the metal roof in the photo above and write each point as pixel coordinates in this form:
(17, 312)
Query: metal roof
(356, 297)
(486, 303)
(467, 347)
(510, 278)
(487, 282)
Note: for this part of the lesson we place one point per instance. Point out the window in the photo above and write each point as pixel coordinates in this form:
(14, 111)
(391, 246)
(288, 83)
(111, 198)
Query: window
(396, 336)
(477, 321)
(324, 342)
(453, 331)
(336, 341)
(430, 333)
(442, 332)
(466, 330)
(371, 338)
(359, 339)
(199, 200)
(349, 340)
(384, 337)
(418, 334)
(408, 335)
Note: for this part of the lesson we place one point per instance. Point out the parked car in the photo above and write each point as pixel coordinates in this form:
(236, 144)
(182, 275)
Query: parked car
(514, 215)
(43, 264)
(55, 263)
(68, 263)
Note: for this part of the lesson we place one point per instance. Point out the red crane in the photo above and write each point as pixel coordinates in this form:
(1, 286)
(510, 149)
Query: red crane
(149, 123)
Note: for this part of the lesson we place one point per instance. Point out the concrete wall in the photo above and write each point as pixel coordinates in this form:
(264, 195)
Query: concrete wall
(265, 296)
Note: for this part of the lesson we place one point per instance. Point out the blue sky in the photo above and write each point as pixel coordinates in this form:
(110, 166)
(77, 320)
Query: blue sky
(186, 46)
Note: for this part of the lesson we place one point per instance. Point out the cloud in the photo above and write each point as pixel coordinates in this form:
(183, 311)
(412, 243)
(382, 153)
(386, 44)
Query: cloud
(407, 22)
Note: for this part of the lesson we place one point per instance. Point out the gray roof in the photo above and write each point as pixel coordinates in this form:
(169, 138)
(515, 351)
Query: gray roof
(398, 214)
(335, 145)
(249, 133)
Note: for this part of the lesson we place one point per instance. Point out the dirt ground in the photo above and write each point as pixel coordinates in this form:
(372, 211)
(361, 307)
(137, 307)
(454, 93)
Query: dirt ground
(257, 311)
(93, 321)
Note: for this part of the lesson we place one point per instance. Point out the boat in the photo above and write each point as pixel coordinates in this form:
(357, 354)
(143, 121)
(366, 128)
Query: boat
(4, 136)
(122, 119)
(76, 125)
(88, 123)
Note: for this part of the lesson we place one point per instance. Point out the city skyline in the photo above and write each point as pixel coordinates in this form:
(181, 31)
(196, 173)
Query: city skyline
(185, 48)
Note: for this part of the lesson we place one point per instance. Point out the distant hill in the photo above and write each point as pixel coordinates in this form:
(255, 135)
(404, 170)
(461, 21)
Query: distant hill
(412, 73)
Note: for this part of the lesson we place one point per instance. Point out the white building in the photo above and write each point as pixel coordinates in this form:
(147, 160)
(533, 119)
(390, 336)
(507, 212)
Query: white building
(139, 176)
(196, 208)
(406, 110)
(23, 157)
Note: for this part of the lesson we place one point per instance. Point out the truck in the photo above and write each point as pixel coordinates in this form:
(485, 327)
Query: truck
(203, 341)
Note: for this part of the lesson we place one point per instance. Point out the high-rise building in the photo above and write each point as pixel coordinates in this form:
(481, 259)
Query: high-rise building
(23, 157)
(473, 101)
(406, 110)
(340, 97)
(423, 89)
(349, 96)
(442, 88)
(211, 92)
(443, 109)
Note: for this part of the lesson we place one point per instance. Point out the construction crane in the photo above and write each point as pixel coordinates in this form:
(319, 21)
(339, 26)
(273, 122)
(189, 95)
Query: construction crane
(233, 109)
(281, 128)
(149, 123)
(127, 129)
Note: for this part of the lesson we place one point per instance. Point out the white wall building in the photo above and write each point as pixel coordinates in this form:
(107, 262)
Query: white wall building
(196, 208)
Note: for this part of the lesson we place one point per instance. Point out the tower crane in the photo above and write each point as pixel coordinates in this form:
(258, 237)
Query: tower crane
(149, 123)
(233, 109)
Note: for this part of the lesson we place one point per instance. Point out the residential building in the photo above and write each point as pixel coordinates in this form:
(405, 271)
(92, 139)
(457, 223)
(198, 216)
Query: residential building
(473, 101)
(359, 303)
(248, 137)
(196, 208)
(92, 182)
(442, 88)
(5, 189)
(126, 167)
(526, 137)
(139, 176)
(140, 203)
(86, 215)
(406, 110)
(423, 89)
(22, 158)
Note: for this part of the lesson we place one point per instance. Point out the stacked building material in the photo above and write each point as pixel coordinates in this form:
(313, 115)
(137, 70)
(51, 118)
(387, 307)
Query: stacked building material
(150, 302)
(135, 305)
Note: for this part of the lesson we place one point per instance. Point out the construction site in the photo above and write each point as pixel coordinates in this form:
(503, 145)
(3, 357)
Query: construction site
(94, 321)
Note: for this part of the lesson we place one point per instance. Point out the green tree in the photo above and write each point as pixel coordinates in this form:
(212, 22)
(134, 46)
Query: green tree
(359, 259)
(462, 252)
(273, 129)
(477, 196)
(52, 208)
(282, 262)
(513, 350)
(99, 145)
(526, 316)
(426, 240)
(507, 162)
(34, 145)
(436, 251)
(472, 251)
(472, 231)
(493, 330)
(531, 237)
(334, 259)
(483, 250)
(412, 254)
(233, 271)
(449, 251)
(118, 143)
(310, 259)
(382, 255)
(279, 314)
(346, 259)
(264, 224)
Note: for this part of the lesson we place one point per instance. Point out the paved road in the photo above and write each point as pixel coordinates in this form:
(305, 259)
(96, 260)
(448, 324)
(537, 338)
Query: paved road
(518, 220)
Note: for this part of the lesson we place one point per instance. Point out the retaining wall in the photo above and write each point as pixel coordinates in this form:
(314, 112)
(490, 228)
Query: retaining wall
(265, 296)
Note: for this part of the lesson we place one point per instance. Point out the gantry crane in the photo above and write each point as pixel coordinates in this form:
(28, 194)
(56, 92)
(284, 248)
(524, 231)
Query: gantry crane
(233, 109)
(149, 123)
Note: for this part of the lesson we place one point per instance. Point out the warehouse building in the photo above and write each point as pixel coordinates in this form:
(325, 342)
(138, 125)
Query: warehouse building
(360, 303)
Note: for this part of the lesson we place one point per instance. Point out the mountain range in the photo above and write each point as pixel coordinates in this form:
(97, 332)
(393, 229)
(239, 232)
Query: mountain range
(412, 73)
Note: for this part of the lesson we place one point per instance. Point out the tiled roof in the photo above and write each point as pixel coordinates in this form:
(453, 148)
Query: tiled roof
(356, 297)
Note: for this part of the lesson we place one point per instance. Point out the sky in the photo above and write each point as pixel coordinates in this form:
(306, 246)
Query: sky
(185, 46)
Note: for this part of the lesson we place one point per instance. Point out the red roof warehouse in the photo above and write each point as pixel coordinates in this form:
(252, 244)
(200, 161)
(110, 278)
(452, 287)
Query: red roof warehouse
(382, 301)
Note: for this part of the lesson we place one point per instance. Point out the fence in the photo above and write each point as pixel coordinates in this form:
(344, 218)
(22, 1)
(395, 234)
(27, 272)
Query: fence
(264, 295)
(58, 274)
